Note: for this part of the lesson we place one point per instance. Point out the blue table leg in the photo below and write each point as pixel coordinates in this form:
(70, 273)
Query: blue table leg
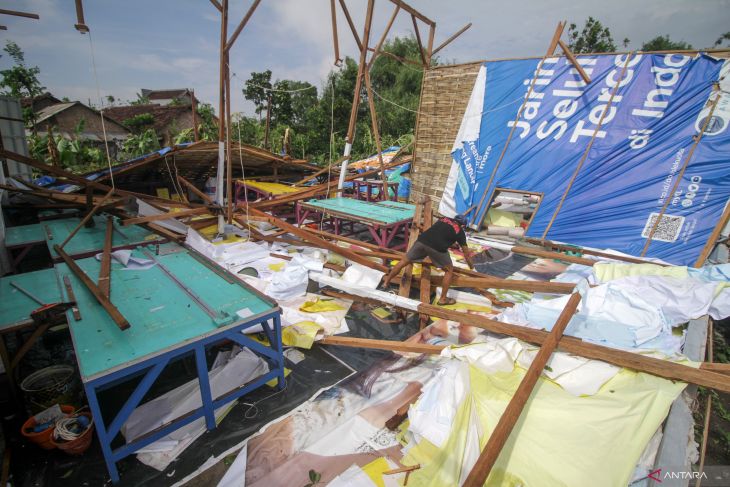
(281, 383)
(205, 394)
(104, 440)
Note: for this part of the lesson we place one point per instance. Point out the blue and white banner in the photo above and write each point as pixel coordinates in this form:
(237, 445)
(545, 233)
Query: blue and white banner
(627, 175)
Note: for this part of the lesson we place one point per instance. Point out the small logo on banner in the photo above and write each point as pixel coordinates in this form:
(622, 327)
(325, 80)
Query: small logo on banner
(656, 475)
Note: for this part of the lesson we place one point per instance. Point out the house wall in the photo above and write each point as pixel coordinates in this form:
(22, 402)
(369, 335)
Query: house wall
(184, 120)
(67, 120)
(444, 96)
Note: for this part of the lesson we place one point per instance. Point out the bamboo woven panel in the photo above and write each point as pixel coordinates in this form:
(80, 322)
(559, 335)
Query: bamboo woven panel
(445, 94)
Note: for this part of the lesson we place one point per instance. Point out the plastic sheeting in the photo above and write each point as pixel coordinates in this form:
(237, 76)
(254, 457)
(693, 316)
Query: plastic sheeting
(646, 135)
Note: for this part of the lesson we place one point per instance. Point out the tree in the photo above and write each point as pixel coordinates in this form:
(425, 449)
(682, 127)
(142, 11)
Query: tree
(141, 100)
(593, 38)
(110, 100)
(723, 38)
(664, 43)
(256, 89)
(21, 81)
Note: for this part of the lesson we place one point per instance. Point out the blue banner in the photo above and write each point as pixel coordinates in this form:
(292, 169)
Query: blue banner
(655, 105)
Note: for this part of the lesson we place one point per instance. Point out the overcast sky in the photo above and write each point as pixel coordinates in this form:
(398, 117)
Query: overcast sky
(174, 43)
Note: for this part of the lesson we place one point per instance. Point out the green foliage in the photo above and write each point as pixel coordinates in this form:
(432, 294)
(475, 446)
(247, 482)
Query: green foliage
(314, 478)
(256, 89)
(21, 81)
(207, 124)
(75, 154)
(140, 144)
(723, 38)
(140, 122)
(664, 43)
(593, 38)
(141, 100)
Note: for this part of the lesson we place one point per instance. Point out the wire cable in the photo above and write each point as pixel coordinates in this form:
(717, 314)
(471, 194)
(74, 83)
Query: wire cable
(101, 110)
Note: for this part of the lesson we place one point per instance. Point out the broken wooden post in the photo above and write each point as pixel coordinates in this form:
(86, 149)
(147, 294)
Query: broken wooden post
(87, 217)
(114, 313)
(425, 270)
(507, 421)
(106, 259)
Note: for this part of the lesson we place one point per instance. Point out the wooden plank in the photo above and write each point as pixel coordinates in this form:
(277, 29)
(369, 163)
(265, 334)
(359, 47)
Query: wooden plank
(169, 234)
(425, 284)
(574, 61)
(16, 13)
(71, 297)
(165, 216)
(451, 39)
(704, 376)
(518, 249)
(556, 37)
(418, 40)
(351, 24)
(413, 12)
(570, 248)
(382, 37)
(713, 238)
(87, 217)
(114, 313)
(242, 24)
(376, 134)
(207, 199)
(381, 344)
(106, 259)
(304, 234)
(479, 473)
(404, 289)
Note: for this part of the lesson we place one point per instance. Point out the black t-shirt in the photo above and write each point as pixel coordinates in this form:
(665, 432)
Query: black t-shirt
(443, 234)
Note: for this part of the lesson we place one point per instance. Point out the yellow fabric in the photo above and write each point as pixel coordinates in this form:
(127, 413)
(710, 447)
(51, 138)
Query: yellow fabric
(300, 335)
(211, 231)
(163, 193)
(272, 188)
(375, 470)
(381, 313)
(273, 382)
(559, 440)
(501, 218)
(607, 272)
(277, 266)
(463, 306)
(320, 306)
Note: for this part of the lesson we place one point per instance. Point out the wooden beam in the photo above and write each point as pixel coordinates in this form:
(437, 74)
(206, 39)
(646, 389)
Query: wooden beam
(207, 199)
(80, 22)
(169, 234)
(241, 25)
(165, 216)
(518, 249)
(351, 24)
(556, 37)
(376, 134)
(71, 297)
(425, 284)
(404, 289)
(104, 281)
(574, 61)
(666, 369)
(480, 471)
(17, 13)
(714, 236)
(604, 255)
(396, 57)
(418, 39)
(304, 234)
(217, 5)
(451, 39)
(413, 12)
(382, 37)
(114, 313)
(680, 174)
(335, 39)
(381, 344)
(87, 217)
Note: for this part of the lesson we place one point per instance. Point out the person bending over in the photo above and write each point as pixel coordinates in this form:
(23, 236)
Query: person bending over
(435, 243)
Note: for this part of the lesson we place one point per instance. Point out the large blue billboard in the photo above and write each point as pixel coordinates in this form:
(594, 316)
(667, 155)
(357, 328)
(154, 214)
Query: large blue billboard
(655, 105)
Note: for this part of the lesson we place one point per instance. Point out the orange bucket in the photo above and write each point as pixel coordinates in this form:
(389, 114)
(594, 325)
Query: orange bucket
(78, 445)
(43, 439)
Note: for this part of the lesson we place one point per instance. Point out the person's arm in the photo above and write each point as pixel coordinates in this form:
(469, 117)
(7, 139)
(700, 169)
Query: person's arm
(467, 256)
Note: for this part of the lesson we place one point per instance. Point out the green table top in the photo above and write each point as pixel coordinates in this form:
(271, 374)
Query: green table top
(384, 212)
(15, 306)
(24, 234)
(162, 316)
(91, 239)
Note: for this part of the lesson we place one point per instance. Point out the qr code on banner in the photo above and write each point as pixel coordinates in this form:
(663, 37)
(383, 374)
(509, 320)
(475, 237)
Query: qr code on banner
(667, 230)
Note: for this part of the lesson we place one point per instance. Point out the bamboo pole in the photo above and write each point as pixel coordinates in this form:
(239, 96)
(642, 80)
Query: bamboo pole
(589, 146)
(488, 457)
(679, 176)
